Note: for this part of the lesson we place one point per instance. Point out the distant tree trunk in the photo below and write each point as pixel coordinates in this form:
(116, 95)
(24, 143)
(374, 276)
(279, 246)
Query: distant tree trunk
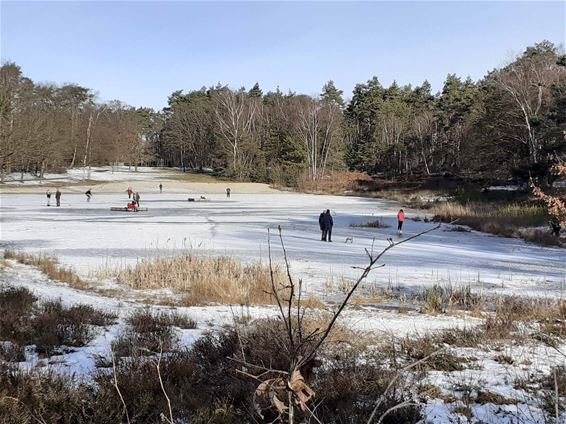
(87, 142)
(73, 137)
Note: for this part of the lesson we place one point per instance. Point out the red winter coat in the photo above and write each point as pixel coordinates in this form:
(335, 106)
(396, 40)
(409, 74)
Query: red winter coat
(401, 216)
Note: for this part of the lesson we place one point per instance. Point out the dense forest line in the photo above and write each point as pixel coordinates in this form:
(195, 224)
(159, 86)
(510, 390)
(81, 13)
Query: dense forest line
(511, 123)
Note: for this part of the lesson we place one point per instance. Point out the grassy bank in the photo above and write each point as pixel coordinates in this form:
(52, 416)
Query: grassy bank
(500, 212)
(526, 220)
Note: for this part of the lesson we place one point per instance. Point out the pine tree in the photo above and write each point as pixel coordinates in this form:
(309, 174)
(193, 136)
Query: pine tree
(331, 94)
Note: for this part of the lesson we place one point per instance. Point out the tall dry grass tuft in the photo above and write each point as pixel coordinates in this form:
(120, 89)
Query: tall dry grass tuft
(205, 280)
(500, 219)
(49, 265)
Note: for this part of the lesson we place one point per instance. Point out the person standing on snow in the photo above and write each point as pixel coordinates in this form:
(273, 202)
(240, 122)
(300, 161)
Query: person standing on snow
(228, 191)
(327, 224)
(129, 191)
(137, 198)
(88, 194)
(400, 220)
(321, 224)
(48, 194)
(160, 188)
(58, 197)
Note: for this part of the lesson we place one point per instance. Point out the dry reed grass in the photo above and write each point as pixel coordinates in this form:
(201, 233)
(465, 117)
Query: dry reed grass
(334, 182)
(49, 265)
(501, 219)
(205, 280)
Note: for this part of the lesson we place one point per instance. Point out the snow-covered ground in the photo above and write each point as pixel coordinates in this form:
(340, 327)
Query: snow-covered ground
(81, 361)
(530, 361)
(89, 237)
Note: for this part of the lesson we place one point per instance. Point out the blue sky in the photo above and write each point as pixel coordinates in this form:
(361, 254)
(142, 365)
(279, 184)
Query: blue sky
(141, 51)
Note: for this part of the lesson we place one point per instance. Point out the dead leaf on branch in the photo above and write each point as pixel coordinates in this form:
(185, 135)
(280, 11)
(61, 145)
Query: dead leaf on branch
(303, 393)
(269, 394)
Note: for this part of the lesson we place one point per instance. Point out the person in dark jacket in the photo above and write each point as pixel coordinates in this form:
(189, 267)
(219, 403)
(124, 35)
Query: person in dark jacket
(48, 194)
(88, 194)
(137, 198)
(321, 224)
(327, 223)
(58, 197)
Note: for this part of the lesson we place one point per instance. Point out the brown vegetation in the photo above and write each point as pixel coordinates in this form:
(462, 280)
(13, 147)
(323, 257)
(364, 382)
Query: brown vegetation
(499, 219)
(49, 265)
(204, 385)
(335, 182)
(48, 325)
(377, 223)
(149, 333)
(204, 280)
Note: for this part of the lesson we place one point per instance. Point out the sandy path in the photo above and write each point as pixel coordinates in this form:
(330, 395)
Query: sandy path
(146, 180)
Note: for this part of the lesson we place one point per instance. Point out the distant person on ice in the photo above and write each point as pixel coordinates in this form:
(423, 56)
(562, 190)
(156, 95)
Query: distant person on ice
(58, 197)
(48, 194)
(327, 223)
(129, 191)
(160, 188)
(321, 224)
(400, 220)
(137, 198)
(88, 195)
(228, 191)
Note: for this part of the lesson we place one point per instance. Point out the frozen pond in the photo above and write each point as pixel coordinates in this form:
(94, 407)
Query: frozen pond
(89, 237)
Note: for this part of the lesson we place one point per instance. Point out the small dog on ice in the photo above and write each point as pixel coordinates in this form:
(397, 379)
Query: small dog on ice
(349, 240)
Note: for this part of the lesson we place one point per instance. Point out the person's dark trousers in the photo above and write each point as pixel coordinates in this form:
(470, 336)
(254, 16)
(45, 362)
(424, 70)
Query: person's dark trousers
(329, 232)
(58, 202)
(400, 226)
(324, 234)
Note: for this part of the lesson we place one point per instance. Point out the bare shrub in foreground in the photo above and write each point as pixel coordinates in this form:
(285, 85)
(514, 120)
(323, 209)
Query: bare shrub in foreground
(55, 325)
(148, 333)
(48, 325)
(284, 390)
(28, 397)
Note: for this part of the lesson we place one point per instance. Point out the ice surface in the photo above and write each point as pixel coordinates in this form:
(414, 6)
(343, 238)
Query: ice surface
(89, 237)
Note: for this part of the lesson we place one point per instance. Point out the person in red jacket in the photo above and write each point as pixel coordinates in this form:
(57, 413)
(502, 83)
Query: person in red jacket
(400, 220)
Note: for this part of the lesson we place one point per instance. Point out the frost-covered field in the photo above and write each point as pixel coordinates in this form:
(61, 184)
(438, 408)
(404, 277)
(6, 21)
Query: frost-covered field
(90, 238)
